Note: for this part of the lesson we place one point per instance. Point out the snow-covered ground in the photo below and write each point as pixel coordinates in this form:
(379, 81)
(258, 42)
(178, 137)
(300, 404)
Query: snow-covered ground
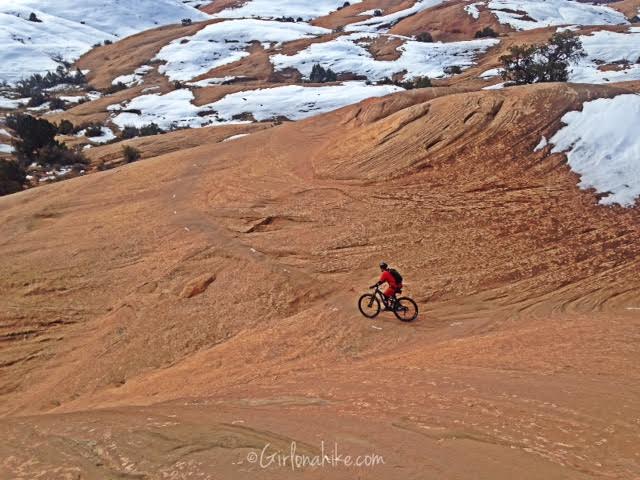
(497, 86)
(472, 9)
(175, 109)
(29, 47)
(171, 110)
(208, 82)
(135, 78)
(69, 28)
(235, 137)
(305, 9)
(546, 13)
(116, 17)
(106, 136)
(296, 102)
(492, 72)
(603, 146)
(226, 42)
(12, 103)
(198, 3)
(5, 148)
(385, 22)
(604, 47)
(346, 54)
(54, 174)
(369, 13)
(89, 96)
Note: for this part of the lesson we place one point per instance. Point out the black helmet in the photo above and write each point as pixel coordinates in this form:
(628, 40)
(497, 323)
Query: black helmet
(383, 265)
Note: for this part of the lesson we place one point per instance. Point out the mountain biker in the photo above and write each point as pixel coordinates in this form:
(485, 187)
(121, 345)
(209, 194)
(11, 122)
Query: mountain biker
(392, 278)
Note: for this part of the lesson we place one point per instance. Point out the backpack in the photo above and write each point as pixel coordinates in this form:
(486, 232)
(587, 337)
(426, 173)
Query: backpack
(396, 275)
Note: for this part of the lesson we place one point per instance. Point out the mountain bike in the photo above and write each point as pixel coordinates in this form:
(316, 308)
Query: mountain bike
(370, 305)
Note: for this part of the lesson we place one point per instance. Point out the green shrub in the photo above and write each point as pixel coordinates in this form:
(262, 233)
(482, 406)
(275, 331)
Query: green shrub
(320, 75)
(130, 154)
(33, 134)
(424, 37)
(418, 82)
(65, 127)
(37, 99)
(542, 63)
(453, 70)
(12, 177)
(144, 131)
(115, 88)
(37, 83)
(36, 142)
(129, 132)
(57, 154)
(486, 32)
(93, 130)
(57, 104)
(151, 129)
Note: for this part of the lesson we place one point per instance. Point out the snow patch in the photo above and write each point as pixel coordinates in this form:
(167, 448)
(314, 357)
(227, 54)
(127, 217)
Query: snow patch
(284, 8)
(209, 82)
(175, 109)
(569, 28)
(543, 143)
(198, 3)
(385, 22)
(235, 137)
(472, 9)
(604, 47)
(119, 18)
(135, 78)
(603, 147)
(69, 28)
(106, 136)
(40, 108)
(6, 148)
(172, 110)
(72, 98)
(368, 13)
(226, 42)
(296, 102)
(538, 14)
(54, 174)
(493, 72)
(346, 54)
(12, 103)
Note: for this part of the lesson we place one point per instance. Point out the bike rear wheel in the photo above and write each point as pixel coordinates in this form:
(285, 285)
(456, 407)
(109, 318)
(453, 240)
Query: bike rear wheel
(406, 309)
(369, 305)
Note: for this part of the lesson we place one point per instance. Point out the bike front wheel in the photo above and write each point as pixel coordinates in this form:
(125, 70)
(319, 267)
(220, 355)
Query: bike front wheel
(369, 305)
(406, 309)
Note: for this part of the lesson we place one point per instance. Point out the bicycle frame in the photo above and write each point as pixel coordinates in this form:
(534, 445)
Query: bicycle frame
(383, 299)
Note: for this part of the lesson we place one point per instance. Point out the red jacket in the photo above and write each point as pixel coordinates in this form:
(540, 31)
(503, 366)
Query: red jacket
(390, 279)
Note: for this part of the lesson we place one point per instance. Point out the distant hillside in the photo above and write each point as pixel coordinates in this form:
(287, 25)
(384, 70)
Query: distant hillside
(62, 30)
